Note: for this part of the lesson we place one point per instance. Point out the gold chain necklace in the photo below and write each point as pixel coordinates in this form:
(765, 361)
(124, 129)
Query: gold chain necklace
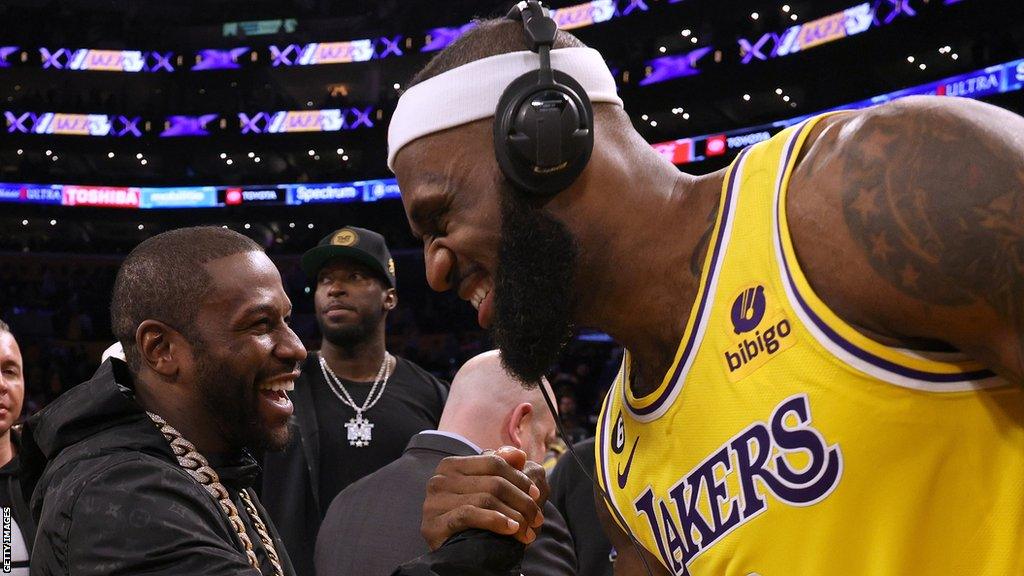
(199, 469)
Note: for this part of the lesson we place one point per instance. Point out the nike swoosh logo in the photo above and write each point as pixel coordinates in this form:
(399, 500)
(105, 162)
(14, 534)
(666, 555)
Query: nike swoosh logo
(624, 475)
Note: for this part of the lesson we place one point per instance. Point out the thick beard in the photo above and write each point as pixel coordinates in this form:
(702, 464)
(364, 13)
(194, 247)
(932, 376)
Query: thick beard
(346, 337)
(534, 288)
(232, 403)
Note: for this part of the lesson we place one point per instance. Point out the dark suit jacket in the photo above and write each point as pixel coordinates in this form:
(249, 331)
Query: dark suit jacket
(373, 526)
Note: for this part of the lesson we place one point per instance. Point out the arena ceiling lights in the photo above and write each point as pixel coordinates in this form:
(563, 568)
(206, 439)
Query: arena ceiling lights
(849, 22)
(1002, 78)
(311, 54)
(998, 79)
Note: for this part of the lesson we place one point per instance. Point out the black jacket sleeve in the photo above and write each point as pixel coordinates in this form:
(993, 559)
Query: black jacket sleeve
(136, 516)
(483, 553)
(469, 553)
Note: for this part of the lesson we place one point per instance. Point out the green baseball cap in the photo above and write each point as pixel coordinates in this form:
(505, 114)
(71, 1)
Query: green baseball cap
(359, 244)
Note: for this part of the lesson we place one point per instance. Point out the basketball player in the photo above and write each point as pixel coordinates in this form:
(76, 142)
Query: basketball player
(825, 340)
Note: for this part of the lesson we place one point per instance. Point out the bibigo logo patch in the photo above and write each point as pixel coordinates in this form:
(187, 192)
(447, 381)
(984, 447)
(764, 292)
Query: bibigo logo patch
(755, 341)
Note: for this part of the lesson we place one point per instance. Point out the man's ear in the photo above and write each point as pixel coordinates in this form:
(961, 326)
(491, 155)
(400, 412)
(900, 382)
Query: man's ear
(519, 423)
(390, 299)
(161, 348)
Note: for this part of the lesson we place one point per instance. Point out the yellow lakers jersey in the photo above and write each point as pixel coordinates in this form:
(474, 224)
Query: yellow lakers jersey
(783, 442)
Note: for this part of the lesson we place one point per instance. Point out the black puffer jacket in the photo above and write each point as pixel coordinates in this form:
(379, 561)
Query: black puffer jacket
(110, 499)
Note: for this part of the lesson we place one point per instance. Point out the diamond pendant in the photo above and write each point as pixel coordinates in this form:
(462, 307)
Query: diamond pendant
(359, 431)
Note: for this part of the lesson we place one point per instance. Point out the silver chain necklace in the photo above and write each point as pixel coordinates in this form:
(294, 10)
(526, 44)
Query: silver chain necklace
(359, 429)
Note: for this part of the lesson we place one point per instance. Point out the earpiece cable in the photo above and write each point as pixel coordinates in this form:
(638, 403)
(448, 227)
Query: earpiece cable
(604, 495)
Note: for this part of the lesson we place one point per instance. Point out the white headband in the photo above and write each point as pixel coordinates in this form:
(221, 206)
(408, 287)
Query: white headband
(471, 92)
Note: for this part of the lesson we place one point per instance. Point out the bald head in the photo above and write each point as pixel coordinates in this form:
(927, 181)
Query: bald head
(492, 409)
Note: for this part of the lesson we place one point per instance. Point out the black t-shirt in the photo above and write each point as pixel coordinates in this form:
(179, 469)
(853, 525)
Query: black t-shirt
(412, 402)
(15, 509)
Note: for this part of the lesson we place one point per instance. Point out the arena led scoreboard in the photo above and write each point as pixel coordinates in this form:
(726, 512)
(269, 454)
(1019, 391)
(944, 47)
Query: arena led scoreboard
(144, 198)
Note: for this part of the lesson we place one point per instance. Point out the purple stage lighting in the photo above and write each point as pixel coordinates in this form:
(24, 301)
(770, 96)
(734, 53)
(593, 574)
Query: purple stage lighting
(188, 125)
(212, 59)
(669, 67)
(440, 38)
(6, 51)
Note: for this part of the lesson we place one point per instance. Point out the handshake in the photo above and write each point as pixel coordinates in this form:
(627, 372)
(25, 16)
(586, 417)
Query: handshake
(479, 513)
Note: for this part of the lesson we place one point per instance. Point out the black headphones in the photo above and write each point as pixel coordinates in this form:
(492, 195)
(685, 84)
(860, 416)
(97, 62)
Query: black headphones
(544, 123)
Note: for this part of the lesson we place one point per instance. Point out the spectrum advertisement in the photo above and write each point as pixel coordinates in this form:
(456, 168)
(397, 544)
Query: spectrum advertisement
(198, 196)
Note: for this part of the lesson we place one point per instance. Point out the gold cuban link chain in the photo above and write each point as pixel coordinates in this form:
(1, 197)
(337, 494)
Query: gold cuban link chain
(197, 466)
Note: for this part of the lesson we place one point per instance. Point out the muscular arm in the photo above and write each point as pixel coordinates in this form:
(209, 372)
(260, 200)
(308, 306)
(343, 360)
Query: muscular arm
(908, 219)
(627, 561)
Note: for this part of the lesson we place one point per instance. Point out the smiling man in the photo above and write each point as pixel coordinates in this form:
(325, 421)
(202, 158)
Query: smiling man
(145, 468)
(356, 405)
(822, 338)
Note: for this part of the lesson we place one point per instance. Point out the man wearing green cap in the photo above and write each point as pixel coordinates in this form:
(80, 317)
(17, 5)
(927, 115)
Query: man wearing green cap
(356, 405)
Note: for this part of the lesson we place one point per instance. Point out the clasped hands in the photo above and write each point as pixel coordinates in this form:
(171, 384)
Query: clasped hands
(499, 491)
